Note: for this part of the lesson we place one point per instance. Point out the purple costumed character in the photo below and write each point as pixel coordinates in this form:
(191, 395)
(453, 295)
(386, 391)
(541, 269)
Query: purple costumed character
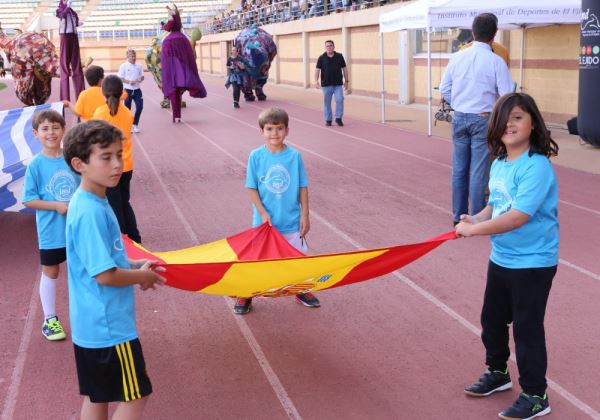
(179, 69)
(70, 62)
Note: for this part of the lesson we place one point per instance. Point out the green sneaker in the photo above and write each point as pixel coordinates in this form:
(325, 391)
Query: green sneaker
(52, 329)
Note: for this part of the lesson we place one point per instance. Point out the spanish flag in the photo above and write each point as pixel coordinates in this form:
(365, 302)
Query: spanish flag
(260, 262)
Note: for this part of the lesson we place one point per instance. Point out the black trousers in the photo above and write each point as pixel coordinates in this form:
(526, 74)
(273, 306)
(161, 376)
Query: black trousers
(118, 198)
(135, 96)
(518, 296)
(236, 92)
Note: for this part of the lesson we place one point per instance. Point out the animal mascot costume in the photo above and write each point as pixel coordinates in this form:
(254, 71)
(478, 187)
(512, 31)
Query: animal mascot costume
(70, 62)
(179, 69)
(257, 47)
(33, 62)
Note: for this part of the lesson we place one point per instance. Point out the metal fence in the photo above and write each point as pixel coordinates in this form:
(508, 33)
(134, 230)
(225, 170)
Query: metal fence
(267, 12)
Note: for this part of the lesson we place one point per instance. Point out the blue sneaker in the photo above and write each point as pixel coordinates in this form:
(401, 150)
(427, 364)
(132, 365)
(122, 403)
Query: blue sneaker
(489, 383)
(527, 407)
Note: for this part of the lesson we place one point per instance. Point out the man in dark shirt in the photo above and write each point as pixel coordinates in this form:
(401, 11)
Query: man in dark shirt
(333, 80)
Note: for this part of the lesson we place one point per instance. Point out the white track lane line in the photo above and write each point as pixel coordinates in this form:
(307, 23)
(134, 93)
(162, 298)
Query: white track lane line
(388, 185)
(278, 388)
(14, 386)
(428, 296)
(396, 150)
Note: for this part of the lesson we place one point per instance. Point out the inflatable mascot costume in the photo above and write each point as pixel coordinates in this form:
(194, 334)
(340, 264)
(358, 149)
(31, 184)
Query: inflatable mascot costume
(33, 62)
(178, 63)
(70, 62)
(256, 46)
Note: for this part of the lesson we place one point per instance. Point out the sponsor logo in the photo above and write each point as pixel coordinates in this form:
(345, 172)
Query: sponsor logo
(589, 21)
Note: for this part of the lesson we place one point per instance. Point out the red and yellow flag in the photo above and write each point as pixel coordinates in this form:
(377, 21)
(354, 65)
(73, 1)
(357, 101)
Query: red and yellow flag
(260, 262)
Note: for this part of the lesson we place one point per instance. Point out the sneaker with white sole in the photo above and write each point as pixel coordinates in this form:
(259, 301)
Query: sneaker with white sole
(135, 129)
(53, 330)
(490, 382)
(527, 407)
(308, 299)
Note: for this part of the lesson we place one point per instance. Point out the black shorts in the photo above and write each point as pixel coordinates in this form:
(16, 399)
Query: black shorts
(112, 373)
(53, 256)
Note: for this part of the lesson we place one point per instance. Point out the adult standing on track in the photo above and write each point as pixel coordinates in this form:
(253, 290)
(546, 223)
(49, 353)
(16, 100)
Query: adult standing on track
(70, 61)
(331, 67)
(474, 79)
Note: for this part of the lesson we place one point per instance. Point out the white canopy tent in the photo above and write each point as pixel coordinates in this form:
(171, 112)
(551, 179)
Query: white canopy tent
(443, 14)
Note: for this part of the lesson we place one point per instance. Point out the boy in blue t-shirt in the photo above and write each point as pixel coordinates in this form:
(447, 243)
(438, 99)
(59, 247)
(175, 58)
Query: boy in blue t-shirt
(108, 354)
(278, 188)
(49, 185)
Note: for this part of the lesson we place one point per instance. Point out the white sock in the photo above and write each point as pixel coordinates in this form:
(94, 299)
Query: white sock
(48, 295)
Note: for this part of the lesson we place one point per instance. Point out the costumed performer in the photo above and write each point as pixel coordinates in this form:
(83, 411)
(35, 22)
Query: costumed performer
(179, 69)
(70, 62)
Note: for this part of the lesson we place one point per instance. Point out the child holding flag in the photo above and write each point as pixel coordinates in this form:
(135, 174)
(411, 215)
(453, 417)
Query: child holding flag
(108, 353)
(49, 185)
(521, 217)
(278, 188)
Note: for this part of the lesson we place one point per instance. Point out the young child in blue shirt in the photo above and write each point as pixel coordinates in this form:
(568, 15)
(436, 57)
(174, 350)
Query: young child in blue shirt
(521, 217)
(108, 354)
(49, 185)
(278, 189)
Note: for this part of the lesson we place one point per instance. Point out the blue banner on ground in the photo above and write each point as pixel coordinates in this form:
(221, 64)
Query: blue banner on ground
(17, 147)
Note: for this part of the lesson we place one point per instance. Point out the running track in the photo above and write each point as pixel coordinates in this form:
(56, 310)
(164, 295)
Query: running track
(400, 347)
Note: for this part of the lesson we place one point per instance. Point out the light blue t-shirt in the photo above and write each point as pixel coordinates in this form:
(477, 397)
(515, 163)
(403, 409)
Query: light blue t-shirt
(49, 179)
(101, 316)
(527, 184)
(278, 178)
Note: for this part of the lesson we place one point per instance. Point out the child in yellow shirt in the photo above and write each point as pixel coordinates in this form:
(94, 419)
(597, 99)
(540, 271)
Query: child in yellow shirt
(92, 98)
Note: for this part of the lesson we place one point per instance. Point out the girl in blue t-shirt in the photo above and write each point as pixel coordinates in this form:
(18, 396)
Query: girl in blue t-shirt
(521, 218)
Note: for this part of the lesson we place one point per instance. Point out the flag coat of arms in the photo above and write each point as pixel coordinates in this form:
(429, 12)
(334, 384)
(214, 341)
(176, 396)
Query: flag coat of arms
(260, 262)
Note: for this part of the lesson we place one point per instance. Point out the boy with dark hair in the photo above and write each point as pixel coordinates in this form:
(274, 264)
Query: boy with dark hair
(278, 189)
(108, 354)
(49, 185)
(90, 99)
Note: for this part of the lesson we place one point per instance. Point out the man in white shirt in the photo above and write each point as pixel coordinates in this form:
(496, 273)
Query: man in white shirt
(132, 75)
(474, 79)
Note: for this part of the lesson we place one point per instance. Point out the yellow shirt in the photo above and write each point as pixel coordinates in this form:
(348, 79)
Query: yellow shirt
(89, 100)
(123, 120)
(498, 49)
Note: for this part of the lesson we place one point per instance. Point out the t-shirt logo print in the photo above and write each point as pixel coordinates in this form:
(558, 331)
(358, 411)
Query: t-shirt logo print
(62, 185)
(277, 179)
(500, 198)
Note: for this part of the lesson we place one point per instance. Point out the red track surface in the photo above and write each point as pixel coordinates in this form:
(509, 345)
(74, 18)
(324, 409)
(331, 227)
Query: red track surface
(400, 347)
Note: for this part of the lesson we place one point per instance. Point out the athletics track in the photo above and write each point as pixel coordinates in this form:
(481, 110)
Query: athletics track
(399, 347)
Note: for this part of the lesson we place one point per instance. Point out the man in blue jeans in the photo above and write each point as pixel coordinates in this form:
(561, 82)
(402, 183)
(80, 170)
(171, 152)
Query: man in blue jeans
(474, 79)
(331, 75)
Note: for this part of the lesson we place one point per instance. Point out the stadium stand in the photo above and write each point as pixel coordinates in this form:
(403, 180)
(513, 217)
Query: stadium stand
(112, 19)
(15, 13)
